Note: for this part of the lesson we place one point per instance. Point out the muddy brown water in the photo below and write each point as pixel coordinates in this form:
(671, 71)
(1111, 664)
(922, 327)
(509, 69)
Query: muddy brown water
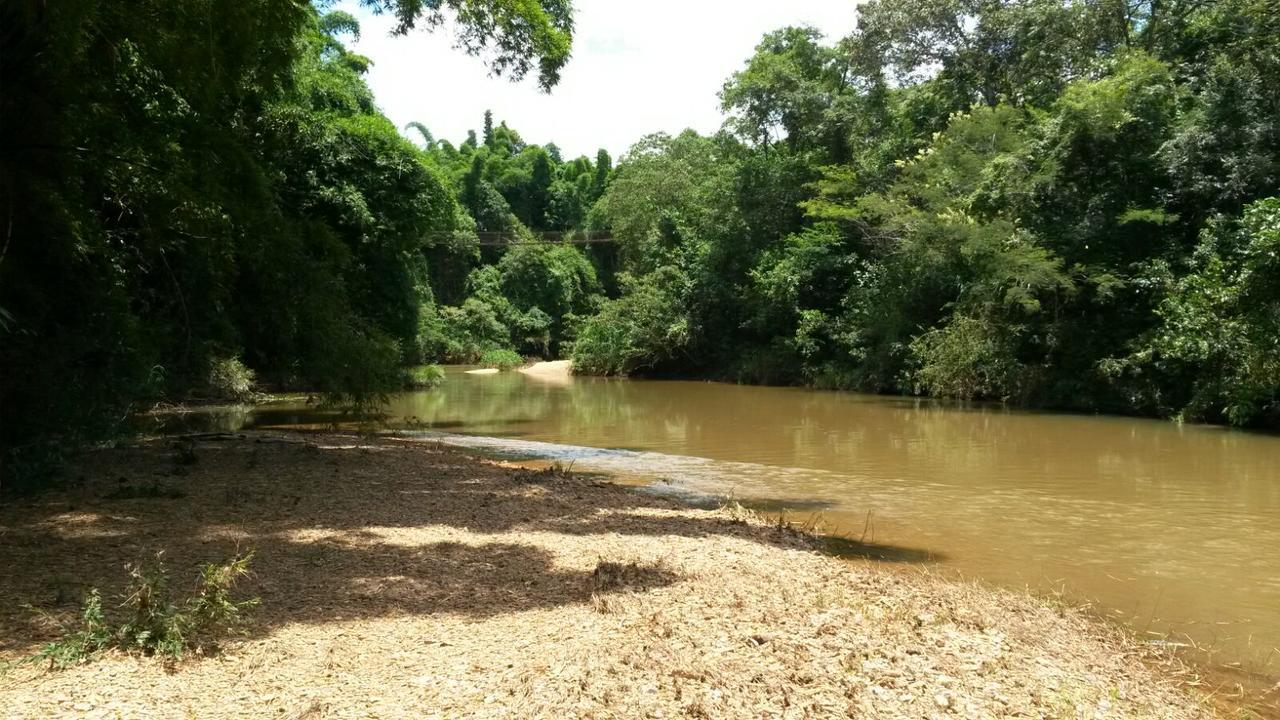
(1173, 529)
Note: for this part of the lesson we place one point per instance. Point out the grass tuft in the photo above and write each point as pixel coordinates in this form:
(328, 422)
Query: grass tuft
(551, 473)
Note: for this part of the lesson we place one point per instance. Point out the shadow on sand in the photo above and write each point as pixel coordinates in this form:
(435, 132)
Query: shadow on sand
(342, 528)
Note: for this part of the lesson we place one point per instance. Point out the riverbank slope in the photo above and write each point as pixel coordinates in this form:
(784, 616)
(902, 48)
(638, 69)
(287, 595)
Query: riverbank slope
(403, 579)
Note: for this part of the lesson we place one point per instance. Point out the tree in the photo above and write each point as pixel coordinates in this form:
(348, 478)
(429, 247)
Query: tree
(515, 37)
(565, 209)
(185, 187)
(642, 330)
(539, 189)
(555, 280)
(1215, 353)
(986, 51)
(483, 201)
(786, 92)
(488, 129)
(507, 141)
(954, 290)
(604, 165)
(428, 141)
(337, 22)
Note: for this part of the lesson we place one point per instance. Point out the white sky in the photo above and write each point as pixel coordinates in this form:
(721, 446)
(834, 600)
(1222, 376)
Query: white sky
(637, 68)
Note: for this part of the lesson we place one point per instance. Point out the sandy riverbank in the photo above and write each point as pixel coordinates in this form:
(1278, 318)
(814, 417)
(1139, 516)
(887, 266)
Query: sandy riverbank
(553, 372)
(404, 580)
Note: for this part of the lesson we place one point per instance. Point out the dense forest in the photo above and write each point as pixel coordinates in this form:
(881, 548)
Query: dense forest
(1062, 204)
(1067, 204)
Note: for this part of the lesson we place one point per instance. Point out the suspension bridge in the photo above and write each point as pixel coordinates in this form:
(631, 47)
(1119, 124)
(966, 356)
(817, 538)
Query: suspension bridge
(506, 239)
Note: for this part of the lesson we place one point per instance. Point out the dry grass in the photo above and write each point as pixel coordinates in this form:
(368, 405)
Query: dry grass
(404, 580)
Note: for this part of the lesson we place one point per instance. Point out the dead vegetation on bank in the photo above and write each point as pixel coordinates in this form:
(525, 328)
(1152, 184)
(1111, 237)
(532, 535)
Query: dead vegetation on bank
(404, 580)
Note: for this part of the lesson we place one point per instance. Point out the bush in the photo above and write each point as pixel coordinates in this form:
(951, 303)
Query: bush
(155, 624)
(356, 370)
(967, 358)
(1215, 352)
(533, 331)
(501, 359)
(229, 379)
(423, 377)
(645, 327)
(461, 334)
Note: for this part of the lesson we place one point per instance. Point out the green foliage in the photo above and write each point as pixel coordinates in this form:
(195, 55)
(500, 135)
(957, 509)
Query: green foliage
(966, 358)
(1048, 202)
(661, 203)
(643, 329)
(985, 50)
(1000, 200)
(192, 177)
(338, 22)
(501, 359)
(546, 284)
(515, 36)
(424, 377)
(1215, 353)
(93, 635)
(229, 379)
(152, 622)
(949, 268)
(789, 88)
(461, 334)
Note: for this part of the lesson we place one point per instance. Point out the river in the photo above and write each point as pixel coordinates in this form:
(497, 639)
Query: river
(1173, 529)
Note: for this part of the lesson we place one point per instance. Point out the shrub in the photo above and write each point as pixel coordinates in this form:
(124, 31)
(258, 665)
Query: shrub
(424, 377)
(356, 370)
(154, 624)
(229, 379)
(967, 358)
(501, 359)
(462, 334)
(645, 327)
(1216, 348)
(533, 331)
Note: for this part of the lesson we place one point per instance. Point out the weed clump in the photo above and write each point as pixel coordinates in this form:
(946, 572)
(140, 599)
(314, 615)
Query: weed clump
(737, 513)
(611, 576)
(551, 473)
(152, 622)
